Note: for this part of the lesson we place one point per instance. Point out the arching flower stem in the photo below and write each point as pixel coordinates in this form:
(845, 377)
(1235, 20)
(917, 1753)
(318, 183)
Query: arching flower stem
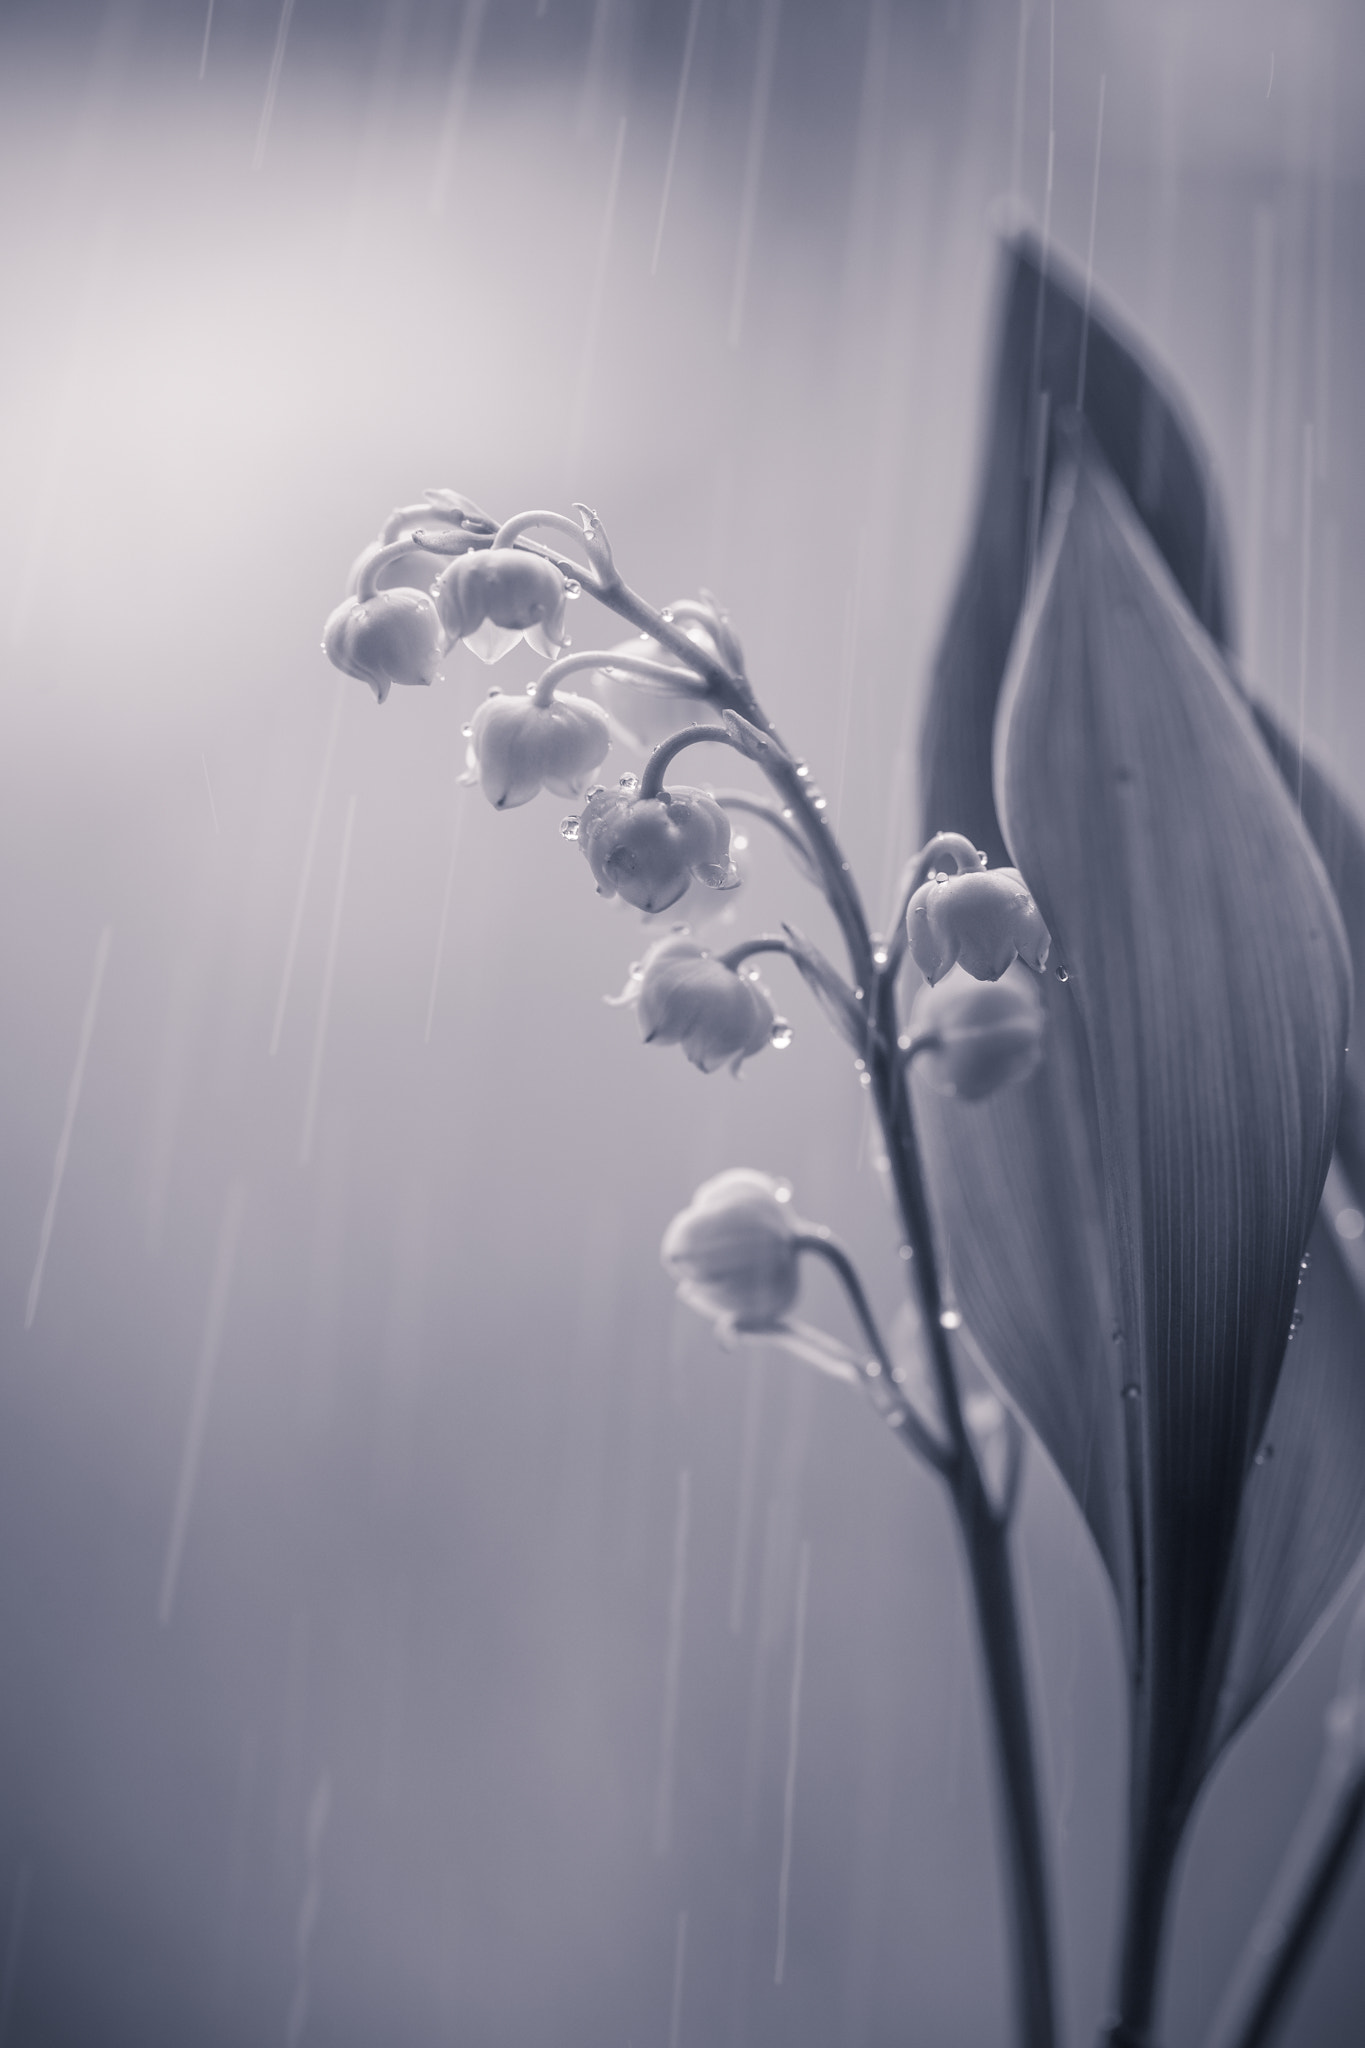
(748, 948)
(878, 1376)
(762, 807)
(559, 522)
(628, 664)
(367, 582)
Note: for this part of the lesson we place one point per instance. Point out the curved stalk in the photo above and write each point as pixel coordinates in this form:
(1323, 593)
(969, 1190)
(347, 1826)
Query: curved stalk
(760, 807)
(624, 664)
(880, 1383)
(985, 1533)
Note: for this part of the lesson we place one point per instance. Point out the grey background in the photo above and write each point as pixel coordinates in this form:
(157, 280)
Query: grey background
(394, 1760)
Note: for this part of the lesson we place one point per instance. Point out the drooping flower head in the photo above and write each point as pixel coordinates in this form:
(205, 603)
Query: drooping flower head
(518, 746)
(685, 997)
(647, 849)
(734, 1250)
(983, 919)
(492, 599)
(971, 1038)
(391, 637)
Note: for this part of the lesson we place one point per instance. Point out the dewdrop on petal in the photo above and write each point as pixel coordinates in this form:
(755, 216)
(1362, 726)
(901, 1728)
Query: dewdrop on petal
(647, 849)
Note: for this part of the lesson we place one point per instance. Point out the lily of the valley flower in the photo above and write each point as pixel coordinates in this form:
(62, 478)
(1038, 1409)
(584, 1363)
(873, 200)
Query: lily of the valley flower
(498, 596)
(647, 849)
(982, 919)
(391, 637)
(519, 746)
(970, 1038)
(734, 1251)
(685, 997)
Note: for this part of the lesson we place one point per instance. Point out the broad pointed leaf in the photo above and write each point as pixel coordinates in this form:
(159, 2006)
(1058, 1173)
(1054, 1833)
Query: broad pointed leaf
(1211, 982)
(1293, 1563)
(1044, 328)
(1016, 1187)
(1336, 833)
(1303, 1515)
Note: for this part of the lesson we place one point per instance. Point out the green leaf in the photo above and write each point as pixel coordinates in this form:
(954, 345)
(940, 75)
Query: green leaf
(1018, 1198)
(1303, 1514)
(1210, 978)
(1153, 450)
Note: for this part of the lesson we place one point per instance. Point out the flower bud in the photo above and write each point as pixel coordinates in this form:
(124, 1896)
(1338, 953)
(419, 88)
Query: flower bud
(686, 998)
(393, 637)
(647, 849)
(971, 1038)
(494, 598)
(982, 919)
(519, 747)
(733, 1252)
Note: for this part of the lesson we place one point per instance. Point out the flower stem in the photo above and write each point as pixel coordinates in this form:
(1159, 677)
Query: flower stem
(986, 1541)
(679, 683)
(985, 1532)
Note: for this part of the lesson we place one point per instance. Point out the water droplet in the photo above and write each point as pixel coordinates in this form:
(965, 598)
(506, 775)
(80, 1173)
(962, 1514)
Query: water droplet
(1305, 1262)
(787, 811)
(906, 1252)
(857, 995)
(981, 859)
(1265, 1454)
(781, 1035)
(872, 1369)
(1350, 1224)
(950, 1319)
(598, 789)
(531, 689)
(1296, 1321)
(802, 770)
(667, 616)
(938, 877)
(467, 732)
(782, 1192)
(817, 803)
(1062, 974)
(739, 843)
(629, 782)
(1132, 1392)
(865, 1080)
(895, 1417)
(571, 588)
(568, 828)
(904, 1042)
(879, 956)
(859, 1066)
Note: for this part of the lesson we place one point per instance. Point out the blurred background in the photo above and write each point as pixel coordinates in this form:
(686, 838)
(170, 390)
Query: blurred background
(415, 1629)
